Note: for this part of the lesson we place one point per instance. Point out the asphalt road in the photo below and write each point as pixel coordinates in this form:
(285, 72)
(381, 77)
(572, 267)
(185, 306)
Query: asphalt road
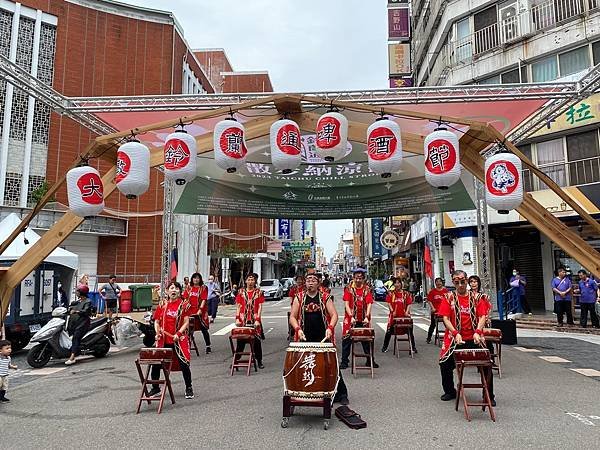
(92, 404)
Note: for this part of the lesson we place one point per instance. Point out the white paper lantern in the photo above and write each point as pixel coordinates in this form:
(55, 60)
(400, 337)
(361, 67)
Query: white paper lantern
(503, 182)
(85, 191)
(180, 157)
(332, 136)
(230, 145)
(133, 169)
(442, 158)
(384, 147)
(286, 144)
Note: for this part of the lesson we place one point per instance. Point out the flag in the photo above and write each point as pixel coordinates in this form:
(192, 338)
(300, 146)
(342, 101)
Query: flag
(427, 261)
(174, 263)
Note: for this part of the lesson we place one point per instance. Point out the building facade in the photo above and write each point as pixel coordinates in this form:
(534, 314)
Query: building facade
(518, 41)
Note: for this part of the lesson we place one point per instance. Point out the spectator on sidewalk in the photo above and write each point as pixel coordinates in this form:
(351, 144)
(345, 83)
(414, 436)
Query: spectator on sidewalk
(111, 292)
(435, 298)
(562, 288)
(214, 292)
(589, 294)
(518, 282)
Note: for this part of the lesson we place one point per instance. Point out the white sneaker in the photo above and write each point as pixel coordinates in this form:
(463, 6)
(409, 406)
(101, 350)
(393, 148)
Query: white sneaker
(70, 362)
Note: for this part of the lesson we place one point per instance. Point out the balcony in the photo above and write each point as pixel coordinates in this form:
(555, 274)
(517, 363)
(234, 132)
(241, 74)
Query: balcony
(572, 173)
(540, 17)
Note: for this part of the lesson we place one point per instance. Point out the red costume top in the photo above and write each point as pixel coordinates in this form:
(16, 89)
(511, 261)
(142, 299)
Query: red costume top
(399, 301)
(323, 299)
(358, 299)
(464, 312)
(436, 296)
(294, 290)
(196, 295)
(249, 302)
(170, 316)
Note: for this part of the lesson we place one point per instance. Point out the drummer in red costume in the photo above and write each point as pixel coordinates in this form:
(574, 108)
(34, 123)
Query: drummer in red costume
(171, 320)
(358, 301)
(313, 318)
(197, 295)
(464, 317)
(435, 297)
(249, 309)
(399, 301)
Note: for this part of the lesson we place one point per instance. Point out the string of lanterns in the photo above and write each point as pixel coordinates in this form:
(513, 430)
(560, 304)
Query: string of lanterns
(503, 180)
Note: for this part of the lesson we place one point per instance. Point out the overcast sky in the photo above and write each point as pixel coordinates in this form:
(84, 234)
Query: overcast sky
(305, 45)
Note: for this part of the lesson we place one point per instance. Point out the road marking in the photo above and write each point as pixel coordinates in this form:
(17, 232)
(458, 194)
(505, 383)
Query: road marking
(554, 359)
(269, 330)
(286, 307)
(45, 371)
(588, 372)
(225, 330)
(581, 418)
(527, 350)
(116, 349)
(383, 325)
(422, 326)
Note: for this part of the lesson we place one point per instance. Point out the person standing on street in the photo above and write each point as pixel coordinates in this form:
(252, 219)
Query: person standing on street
(171, 322)
(358, 301)
(435, 297)
(589, 294)
(399, 301)
(518, 282)
(214, 292)
(111, 292)
(249, 310)
(562, 288)
(464, 317)
(5, 365)
(313, 319)
(196, 295)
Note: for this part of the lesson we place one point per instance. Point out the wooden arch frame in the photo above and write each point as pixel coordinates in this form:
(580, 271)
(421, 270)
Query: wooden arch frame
(472, 143)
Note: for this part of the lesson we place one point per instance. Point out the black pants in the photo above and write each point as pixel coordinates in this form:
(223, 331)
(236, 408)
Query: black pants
(213, 306)
(347, 346)
(342, 390)
(185, 369)
(76, 339)
(561, 308)
(241, 344)
(525, 304)
(195, 321)
(447, 370)
(433, 320)
(205, 333)
(388, 336)
(591, 307)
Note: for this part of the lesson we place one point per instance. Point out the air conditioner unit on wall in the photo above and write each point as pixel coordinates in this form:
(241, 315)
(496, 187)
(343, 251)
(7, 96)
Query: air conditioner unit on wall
(509, 22)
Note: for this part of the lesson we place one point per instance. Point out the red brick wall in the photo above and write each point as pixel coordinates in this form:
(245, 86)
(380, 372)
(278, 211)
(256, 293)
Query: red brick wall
(100, 54)
(244, 226)
(214, 62)
(243, 83)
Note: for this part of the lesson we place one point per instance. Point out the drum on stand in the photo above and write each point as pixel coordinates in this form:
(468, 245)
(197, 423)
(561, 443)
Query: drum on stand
(472, 355)
(243, 332)
(362, 332)
(310, 370)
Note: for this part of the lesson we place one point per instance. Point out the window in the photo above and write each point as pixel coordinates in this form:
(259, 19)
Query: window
(596, 52)
(511, 77)
(12, 189)
(485, 24)
(463, 40)
(527, 176)
(550, 160)
(583, 154)
(545, 69)
(492, 80)
(574, 61)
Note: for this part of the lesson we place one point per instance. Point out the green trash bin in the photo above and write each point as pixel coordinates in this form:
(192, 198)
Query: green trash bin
(142, 296)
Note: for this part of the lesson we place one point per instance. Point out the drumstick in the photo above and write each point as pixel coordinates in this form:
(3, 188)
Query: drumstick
(324, 339)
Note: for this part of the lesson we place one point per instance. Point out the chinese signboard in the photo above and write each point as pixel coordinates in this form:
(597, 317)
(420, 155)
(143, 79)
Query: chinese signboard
(285, 228)
(399, 58)
(389, 239)
(356, 245)
(376, 230)
(586, 112)
(398, 24)
(274, 246)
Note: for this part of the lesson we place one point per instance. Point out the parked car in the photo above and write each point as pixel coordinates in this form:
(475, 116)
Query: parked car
(379, 290)
(287, 284)
(272, 289)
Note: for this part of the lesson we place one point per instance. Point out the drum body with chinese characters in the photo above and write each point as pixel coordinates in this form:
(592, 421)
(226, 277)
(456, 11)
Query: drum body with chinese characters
(472, 355)
(310, 370)
(243, 332)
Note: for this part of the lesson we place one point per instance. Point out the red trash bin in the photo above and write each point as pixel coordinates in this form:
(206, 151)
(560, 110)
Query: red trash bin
(125, 301)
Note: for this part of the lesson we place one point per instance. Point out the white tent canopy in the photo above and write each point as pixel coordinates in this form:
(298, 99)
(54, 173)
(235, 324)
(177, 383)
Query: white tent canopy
(18, 247)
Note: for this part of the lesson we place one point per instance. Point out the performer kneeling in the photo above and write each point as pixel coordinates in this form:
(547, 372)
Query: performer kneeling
(464, 317)
(314, 318)
(171, 321)
(249, 309)
(399, 301)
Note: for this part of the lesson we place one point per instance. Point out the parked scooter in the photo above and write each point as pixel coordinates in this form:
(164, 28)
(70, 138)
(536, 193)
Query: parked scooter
(54, 341)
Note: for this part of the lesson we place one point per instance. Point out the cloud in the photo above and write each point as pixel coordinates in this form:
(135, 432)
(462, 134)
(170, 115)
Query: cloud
(306, 45)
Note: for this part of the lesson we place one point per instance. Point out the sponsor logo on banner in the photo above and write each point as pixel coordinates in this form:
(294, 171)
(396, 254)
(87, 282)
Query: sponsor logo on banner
(90, 186)
(502, 178)
(382, 143)
(123, 166)
(441, 156)
(232, 143)
(177, 154)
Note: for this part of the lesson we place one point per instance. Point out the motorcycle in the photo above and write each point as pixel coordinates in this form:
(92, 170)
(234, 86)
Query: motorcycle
(53, 341)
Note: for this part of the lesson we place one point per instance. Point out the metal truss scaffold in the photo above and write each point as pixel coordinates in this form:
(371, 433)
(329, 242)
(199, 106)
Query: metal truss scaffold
(167, 242)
